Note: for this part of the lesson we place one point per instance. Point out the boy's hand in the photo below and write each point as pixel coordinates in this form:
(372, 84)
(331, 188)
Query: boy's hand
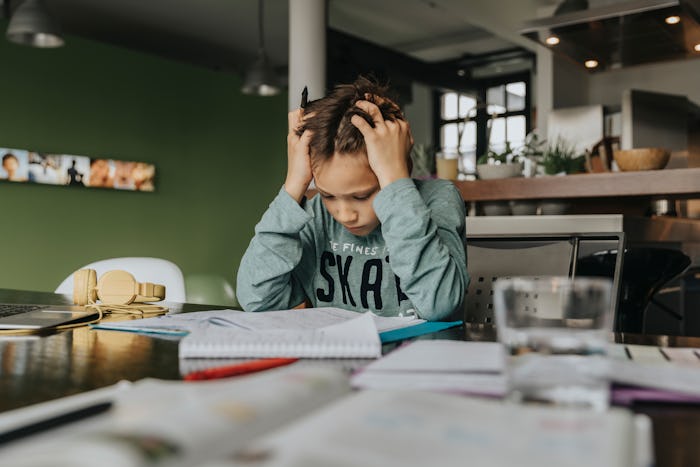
(388, 144)
(298, 160)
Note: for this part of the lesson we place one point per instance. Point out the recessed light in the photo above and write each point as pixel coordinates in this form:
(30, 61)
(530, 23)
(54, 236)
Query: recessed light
(590, 63)
(673, 19)
(461, 72)
(696, 47)
(552, 40)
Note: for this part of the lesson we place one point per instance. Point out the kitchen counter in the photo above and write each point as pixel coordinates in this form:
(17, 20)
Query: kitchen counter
(636, 229)
(674, 183)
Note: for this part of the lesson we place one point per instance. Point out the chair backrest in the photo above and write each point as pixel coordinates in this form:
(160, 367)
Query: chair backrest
(144, 269)
(491, 258)
(210, 289)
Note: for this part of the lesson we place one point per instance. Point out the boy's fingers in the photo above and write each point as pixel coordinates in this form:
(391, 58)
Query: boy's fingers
(294, 119)
(372, 110)
(379, 100)
(305, 137)
(361, 124)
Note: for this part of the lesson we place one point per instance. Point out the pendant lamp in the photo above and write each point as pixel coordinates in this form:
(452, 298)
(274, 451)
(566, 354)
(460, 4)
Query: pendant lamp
(31, 24)
(260, 79)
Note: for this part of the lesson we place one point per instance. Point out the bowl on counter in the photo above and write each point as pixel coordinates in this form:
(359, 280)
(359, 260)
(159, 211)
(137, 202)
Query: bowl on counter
(641, 158)
(494, 171)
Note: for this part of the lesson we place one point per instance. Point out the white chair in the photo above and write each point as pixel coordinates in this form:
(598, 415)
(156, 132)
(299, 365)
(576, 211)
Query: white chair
(144, 269)
(210, 289)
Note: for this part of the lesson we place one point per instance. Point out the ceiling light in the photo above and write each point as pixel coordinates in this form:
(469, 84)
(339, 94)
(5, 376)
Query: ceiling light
(697, 47)
(260, 78)
(590, 63)
(31, 24)
(551, 40)
(673, 19)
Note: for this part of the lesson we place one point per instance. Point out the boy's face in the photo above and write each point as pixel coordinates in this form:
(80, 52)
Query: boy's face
(10, 164)
(347, 187)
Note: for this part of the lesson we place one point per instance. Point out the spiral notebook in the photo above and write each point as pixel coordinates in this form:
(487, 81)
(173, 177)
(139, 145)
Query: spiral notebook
(352, 338)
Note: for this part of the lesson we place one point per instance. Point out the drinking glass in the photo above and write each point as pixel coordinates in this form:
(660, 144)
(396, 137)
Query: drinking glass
(555, 330)
(447, 164)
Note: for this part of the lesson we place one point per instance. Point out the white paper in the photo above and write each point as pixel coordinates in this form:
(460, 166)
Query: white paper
(438, 365)
(443, 356)
(481, 384)
(406, 429)
(353, 338)
(674, 369)
(305, 318)
(192, 421)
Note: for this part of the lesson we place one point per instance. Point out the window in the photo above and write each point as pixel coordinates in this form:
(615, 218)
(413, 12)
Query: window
(495, 113)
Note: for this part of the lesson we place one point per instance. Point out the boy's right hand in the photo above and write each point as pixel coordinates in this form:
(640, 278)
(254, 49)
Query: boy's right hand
(299, 174)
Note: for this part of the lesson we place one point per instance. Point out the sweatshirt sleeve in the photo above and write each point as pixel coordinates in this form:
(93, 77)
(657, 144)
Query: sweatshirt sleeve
(265, 280)
(426, 240)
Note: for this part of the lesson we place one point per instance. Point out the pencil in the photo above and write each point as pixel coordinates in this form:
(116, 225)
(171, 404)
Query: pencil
(244, 368)
(54, 422)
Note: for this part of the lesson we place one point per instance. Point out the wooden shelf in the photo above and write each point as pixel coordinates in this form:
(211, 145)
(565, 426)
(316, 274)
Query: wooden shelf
(673, 183)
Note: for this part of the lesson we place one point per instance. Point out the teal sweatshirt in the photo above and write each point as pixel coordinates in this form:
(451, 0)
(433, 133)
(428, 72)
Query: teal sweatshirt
(413, 263)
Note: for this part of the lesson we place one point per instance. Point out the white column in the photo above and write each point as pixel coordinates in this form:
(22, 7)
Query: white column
(544, 96)
(307, 49)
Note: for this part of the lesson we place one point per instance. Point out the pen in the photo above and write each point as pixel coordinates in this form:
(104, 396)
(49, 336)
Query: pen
(54, 422)
(239, 368)
(304, 97)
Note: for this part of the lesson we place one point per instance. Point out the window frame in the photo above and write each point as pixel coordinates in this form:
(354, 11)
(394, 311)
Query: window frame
(478, 89)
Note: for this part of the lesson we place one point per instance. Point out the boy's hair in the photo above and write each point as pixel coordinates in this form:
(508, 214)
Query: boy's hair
(332, 131)
(7, 157)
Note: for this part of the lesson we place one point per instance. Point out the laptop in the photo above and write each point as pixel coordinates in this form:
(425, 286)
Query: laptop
(26, 316)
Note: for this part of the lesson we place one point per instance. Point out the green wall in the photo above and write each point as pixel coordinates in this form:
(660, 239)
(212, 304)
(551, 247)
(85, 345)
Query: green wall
(220, 159)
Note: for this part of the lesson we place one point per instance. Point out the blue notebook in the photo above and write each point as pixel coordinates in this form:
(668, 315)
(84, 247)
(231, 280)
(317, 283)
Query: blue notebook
(416, 330)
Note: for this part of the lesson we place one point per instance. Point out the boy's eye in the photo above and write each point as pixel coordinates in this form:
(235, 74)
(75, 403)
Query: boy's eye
(361, 198)
(326, 196)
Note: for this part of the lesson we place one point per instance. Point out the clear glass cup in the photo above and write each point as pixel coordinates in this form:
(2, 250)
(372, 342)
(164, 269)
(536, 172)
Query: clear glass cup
(447, 164)
(555, 330)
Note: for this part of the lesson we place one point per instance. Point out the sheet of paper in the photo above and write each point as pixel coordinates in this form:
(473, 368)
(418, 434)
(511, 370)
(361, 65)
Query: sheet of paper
(682, 355)
(178, 424)
(407, 429)
(671, 377)
(307, 318)
(438, 365)
(481, 384)
(435, 356)
(349, 338)
(646, 354)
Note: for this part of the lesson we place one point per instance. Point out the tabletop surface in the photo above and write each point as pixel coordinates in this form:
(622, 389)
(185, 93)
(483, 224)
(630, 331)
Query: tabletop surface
(40, 368)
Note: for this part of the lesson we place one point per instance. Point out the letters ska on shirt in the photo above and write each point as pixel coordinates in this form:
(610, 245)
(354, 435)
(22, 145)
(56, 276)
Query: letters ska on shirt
(355, 273)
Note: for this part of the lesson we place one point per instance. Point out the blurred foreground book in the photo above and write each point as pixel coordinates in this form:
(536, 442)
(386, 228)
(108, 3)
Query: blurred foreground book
(412, 428)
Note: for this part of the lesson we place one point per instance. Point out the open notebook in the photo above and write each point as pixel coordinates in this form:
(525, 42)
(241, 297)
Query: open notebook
(307, 333)
(353, 338)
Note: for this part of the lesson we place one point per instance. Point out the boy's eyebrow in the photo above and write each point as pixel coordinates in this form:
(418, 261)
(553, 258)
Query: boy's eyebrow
(363, 192)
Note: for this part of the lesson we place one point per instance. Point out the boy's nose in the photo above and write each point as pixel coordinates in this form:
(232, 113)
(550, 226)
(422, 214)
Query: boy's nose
(345, 214)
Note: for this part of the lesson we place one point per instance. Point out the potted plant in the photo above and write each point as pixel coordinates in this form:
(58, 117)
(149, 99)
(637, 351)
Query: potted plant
(504, 164)
(559, 158)
(494, 164)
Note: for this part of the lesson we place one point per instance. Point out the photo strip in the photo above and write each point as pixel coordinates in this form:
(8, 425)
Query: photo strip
(20, 165)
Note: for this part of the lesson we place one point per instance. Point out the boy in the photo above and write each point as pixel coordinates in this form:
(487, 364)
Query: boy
(373, 238)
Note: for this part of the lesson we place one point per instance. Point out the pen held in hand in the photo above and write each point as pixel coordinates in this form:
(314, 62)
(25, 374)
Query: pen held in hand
(244, 368)
(304, 97)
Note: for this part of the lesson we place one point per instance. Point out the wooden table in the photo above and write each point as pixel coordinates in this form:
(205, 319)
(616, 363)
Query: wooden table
(36, 369)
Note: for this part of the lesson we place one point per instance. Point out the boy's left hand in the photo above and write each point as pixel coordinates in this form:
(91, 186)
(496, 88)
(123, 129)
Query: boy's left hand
(388, 144)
